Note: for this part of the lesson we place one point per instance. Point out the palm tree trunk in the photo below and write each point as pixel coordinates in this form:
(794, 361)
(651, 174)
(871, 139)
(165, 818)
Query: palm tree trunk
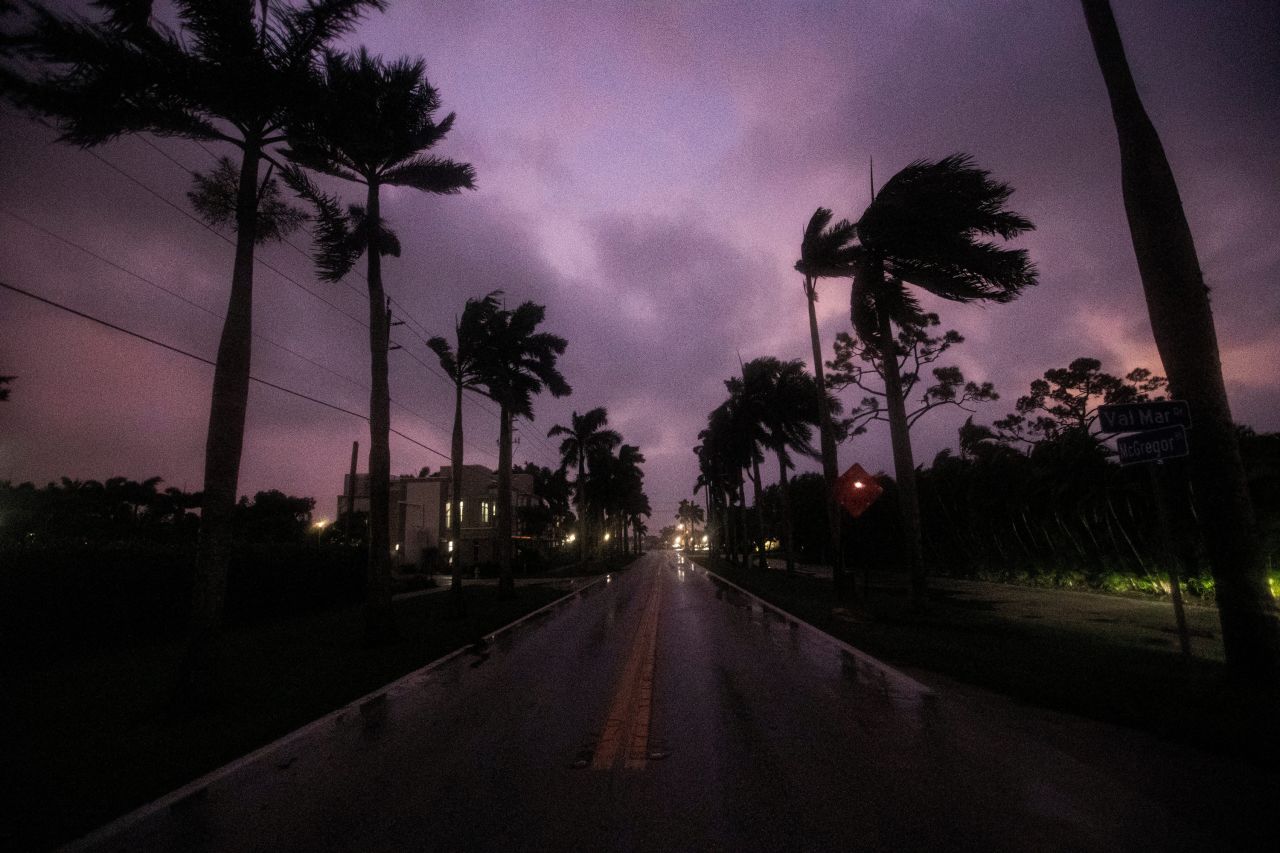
(1182, 322)
(580, 488)
(455, 498)
(506, 581)
(379, 619)
(787, 531)
(756, 490)
(904, 465)
(224, 445)
(830, 463)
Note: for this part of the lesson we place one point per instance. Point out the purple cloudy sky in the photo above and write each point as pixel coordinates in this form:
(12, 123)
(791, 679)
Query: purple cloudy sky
(645, 170)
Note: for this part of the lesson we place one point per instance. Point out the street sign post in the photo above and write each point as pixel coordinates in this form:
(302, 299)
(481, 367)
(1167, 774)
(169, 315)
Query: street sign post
(1157, 431)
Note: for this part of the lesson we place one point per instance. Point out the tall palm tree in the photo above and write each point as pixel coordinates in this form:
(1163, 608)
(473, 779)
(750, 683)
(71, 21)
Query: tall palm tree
(586, 434)
(826, 251)
(925, 228)
(230, 73)
(463, 366)
(371, 123)
(517, 362)
(1182, 322)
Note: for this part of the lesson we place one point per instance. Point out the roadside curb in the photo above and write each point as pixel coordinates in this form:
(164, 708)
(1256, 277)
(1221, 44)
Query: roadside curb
(903, 680)
(195, 787)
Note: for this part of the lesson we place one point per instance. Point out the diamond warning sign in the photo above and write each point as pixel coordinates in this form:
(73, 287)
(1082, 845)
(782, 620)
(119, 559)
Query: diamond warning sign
(856, 490)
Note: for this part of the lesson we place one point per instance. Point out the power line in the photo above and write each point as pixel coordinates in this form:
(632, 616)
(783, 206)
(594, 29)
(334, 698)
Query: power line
(207, 361)
(421, 333)
(257, 335)
(545, 448)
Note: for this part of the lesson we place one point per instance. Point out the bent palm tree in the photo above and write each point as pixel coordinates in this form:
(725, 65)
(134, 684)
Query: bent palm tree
(924, 229)
(584, 436)
(371, 124)
(1182, 322)
(226, 75)
(517, 362)
(826, 252)
(463, 367)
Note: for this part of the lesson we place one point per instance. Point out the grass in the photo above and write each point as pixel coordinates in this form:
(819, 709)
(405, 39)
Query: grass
(90, 740)
(1049, 648)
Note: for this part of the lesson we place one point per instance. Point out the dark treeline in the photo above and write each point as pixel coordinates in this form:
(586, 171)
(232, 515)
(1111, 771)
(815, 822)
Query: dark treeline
(120, 510)
(100, 564)
(1037, 497)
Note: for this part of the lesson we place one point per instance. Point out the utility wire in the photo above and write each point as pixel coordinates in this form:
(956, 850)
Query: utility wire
(207, 361)
(257, 335)
(268, 266)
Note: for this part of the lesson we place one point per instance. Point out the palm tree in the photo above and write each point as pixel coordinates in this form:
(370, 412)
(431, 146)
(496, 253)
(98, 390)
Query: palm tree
(690, 515)
(825, 252)
(586, 434)
(746, 424)
(463, 367)
(517, 361)
(924, 229)
(230, 74)
(1182, 323)
(787, 403)
(371, 125)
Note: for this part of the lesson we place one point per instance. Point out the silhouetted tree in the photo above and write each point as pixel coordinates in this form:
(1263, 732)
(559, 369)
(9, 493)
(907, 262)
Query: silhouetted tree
(1067, 400)
(585, 434)
(462, 365)
(1182, 322)
(690, 515)
(517, 362)
(370, 123)
(855, 363)
(924, 228)
(787, 404)
(230, 73)
(826, 252)
(4, 387)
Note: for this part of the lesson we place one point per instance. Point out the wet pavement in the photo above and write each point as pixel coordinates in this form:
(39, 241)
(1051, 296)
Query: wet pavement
(663, 709)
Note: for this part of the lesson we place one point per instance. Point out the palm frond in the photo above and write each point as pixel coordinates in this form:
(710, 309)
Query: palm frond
(433, 175)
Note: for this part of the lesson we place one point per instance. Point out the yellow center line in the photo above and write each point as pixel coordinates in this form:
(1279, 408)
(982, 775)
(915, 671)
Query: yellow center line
(626, 728)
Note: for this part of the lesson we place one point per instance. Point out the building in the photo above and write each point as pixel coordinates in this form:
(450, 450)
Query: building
(421, 514)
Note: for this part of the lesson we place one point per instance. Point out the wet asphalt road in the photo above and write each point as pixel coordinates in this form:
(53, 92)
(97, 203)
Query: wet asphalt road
(664, 710)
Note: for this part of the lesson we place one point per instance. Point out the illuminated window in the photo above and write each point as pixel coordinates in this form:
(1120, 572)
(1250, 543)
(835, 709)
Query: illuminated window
(450, 546)
(484, 511)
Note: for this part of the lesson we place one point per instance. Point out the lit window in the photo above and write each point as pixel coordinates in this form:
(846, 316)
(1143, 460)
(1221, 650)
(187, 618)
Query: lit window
(484, 511)
(450, 546)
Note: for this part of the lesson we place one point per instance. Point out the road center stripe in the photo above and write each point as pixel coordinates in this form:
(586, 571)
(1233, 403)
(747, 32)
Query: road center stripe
(625, 734)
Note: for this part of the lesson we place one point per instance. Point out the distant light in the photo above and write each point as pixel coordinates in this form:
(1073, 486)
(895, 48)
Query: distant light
(677, 542)
(704, 539)
(321, 524)
(680, 526)
(571, 537)
(397, 546)
(858, 484)
(606, 537)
